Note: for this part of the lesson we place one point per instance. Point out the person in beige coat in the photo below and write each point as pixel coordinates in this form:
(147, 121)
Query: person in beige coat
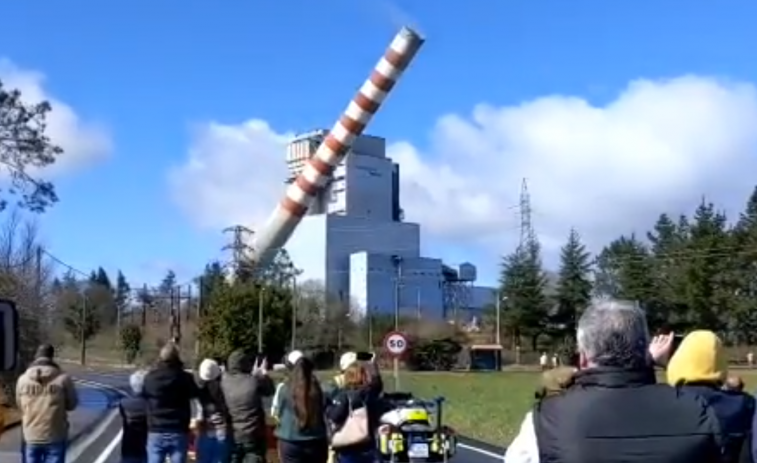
(45, 395)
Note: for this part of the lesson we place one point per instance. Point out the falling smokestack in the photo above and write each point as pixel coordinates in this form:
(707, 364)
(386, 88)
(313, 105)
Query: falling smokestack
(320, 167)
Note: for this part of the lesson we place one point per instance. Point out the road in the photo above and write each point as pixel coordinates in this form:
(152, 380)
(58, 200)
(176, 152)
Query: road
(105, 441)
(93, 403)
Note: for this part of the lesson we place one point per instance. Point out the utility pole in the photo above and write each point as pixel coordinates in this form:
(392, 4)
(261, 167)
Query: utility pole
(295, 312)
(83, 331)
(38, 279)
(260, 319)
(370, 327)
(190, 303)
(145, 296)
(397, 260)
(498, 334)
(418, 303)
(341, 315)
(199, 312)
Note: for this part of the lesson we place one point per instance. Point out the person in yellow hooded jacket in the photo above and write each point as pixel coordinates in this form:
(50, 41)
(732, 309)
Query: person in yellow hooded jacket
(700, 366)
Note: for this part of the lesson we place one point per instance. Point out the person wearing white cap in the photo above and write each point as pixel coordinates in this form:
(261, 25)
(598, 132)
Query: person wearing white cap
(213, 446)
(347, 359)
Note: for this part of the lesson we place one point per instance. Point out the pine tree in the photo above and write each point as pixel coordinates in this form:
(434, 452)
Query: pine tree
(743, 320)
(81, 319)
(101, 297)
(574, 286)
(522, 283)
(706, 264)
(122, 295)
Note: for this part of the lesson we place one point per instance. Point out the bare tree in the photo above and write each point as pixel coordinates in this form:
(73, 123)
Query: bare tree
(26, 277)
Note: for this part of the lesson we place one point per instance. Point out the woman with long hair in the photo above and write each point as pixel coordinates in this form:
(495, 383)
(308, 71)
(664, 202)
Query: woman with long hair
(301, 429)
(356, 393)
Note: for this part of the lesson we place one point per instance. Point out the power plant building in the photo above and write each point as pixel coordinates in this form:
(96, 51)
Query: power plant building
(355, 240)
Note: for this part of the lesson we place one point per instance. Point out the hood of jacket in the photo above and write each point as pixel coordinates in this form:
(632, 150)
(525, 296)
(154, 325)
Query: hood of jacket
(239, 362)
(699, 359)
(43, 371)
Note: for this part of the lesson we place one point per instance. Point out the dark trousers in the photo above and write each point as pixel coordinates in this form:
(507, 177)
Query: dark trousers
(304, 451)
(368, 455)
(248, 452)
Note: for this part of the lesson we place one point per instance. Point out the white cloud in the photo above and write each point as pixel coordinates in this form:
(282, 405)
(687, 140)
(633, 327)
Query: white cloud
(606, 169)
(83, 142)
(233, 174)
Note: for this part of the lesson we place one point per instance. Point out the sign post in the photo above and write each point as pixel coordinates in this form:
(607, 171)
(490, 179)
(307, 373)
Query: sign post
(395, 344)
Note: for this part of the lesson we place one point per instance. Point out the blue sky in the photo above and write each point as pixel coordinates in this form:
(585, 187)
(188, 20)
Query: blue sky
(150, 71)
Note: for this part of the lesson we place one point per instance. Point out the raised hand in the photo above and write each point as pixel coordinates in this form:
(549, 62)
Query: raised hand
(261, 367)
(660, 348)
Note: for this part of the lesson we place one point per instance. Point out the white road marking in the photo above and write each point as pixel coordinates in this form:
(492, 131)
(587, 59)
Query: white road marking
(103, 457)
(76, 451)
(477, 450)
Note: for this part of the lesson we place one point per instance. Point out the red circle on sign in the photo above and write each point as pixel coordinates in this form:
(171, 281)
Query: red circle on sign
(395, 343)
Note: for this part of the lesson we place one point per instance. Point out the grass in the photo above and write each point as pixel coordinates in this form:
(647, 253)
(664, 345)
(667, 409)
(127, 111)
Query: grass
(483, 406)
(490, 406)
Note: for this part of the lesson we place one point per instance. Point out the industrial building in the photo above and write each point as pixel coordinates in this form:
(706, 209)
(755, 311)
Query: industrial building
(355, 240)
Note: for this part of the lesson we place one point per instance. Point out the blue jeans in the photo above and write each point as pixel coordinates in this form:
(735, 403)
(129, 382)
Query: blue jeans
(162, 445)
(44, 453)
(211, 449)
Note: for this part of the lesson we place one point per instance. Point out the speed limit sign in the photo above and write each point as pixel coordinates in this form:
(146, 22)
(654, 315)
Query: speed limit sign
(395, 343)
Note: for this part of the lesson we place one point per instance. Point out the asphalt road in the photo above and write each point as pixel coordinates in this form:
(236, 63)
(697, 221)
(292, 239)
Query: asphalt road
(93, 404)
(105, 446)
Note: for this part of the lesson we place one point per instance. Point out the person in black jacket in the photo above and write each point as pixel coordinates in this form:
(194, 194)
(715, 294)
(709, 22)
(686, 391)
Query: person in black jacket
(244, 386)
(133, 411)
(169, 391)
(357, 391)
(700, 366)
(614, 410)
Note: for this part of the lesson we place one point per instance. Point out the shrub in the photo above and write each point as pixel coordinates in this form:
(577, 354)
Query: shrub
(131, 342)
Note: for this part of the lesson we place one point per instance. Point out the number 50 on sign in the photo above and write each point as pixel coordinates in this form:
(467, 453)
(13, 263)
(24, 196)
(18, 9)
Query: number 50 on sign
(395, 343)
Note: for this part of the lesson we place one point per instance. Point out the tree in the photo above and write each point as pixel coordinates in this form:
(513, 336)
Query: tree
(231, 320)
(281, 271)
(122, 296)
(30, 285)
(743, 322)
(574, 286)
(522, 284)
(81, 317)
(708, 295)
(26, 149)
(101, 297)
(131, 342)
(211, 280)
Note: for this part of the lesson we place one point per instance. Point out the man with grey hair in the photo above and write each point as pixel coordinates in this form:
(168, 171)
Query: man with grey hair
(169, 391)
(133, 411)
(614, 410)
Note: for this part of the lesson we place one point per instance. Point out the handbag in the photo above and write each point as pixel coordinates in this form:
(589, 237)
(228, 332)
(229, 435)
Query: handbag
(354, 430)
